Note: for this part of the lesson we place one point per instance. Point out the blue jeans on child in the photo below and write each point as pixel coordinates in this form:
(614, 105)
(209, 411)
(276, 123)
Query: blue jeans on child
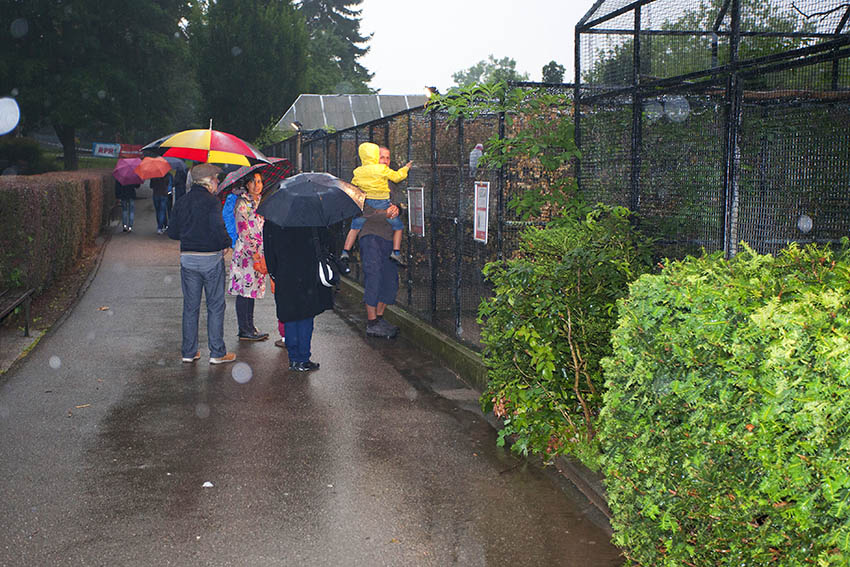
(396, 223)
(203, 273)
(299, 335)
(128, 210)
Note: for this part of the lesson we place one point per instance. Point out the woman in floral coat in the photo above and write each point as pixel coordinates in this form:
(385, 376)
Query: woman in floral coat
(246, 283)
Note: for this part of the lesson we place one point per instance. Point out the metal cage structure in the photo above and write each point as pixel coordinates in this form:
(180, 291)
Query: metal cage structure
(718, 121)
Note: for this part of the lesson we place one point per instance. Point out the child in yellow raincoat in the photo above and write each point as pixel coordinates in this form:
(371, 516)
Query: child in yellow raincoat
(373, 177)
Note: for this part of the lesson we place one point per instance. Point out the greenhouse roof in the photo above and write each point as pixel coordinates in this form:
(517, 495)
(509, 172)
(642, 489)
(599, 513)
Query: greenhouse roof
(340, 111)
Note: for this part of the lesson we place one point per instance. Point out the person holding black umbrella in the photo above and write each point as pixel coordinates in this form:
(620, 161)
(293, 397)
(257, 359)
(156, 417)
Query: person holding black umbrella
(292, 259)
(295, 237)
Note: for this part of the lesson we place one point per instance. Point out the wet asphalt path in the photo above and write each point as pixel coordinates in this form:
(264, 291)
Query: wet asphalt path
(108, 440)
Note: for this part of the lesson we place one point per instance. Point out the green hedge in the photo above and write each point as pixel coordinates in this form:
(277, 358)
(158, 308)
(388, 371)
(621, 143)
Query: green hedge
(548, 325)
(726, 426)
(47, 220)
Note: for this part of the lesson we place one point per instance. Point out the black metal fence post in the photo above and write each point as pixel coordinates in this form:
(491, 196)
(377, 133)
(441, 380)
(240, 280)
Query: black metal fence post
(637, 119)
(731, 156)
(432, 215)
(409, 270)
(459, 231)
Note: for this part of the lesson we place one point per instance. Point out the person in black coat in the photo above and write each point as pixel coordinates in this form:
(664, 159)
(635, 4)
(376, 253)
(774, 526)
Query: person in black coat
(293, 265)
(127, 195)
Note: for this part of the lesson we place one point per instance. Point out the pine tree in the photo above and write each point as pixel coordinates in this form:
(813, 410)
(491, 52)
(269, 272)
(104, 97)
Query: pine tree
(335, 46)
(252, 61)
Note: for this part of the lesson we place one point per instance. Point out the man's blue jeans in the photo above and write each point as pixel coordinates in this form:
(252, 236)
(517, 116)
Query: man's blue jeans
(299, 335)
(203, 273)
(128, 210)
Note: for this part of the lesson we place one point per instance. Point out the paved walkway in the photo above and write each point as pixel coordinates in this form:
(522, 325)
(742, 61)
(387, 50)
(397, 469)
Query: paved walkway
(114, 452)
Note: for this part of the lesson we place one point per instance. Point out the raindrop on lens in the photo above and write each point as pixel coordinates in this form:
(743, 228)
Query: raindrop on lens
(168, 280)
(19, 28)
(805, 224)
(10, 115)
(236, 51)
(653, 110)
(677, 108)
(202, 411)
(55, 362)
(101, 94)
(161, 362)
(242, 372)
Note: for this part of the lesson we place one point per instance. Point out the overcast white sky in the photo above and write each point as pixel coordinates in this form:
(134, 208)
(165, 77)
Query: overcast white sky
(422, 43)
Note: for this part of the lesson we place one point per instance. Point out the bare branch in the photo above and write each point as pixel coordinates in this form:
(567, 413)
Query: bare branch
(816, 14)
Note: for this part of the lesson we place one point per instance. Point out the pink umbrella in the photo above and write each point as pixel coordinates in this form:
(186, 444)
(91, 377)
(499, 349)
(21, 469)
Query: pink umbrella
(125, 171)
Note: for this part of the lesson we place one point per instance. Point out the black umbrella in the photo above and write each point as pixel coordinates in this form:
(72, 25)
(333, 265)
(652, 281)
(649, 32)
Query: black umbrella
(312, 199)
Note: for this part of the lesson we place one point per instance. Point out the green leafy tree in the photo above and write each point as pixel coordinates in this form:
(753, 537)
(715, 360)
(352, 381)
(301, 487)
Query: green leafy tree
(553, 72)
(490, 71)
(112, 68)
(336, 44)
(252, 62)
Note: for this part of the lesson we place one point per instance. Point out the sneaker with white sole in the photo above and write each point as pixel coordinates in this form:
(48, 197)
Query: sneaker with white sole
(229, 357)
(192, 358)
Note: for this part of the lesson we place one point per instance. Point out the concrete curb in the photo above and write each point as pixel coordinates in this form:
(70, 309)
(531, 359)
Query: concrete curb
(471, 370)
(459, 358)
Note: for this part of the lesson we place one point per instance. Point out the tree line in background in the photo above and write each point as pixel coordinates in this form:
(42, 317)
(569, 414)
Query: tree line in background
(133, 70)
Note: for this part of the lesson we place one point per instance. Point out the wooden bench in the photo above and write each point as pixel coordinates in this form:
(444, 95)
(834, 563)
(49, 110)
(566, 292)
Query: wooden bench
(10, 299)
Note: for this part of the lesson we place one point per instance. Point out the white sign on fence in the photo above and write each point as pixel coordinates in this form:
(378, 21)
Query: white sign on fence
(482, 211)
(106, 150)
(416, 210)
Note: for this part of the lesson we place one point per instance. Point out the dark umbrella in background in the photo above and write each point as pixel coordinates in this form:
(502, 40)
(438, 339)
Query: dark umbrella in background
(272, 172)
(125, 171)
(177, 164)
(312, 199)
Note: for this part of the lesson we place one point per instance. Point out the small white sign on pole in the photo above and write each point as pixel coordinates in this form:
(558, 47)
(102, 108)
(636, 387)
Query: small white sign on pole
(416, 210)
(482, 211)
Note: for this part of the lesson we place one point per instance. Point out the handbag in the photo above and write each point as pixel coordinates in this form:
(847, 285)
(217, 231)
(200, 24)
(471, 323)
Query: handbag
(329, 269)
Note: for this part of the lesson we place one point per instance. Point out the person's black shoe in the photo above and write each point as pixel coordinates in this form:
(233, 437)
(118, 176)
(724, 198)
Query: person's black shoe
(344, 262)
(294, 366)
(253, 336)
(308, 366)
(379, 329)
(390, 328)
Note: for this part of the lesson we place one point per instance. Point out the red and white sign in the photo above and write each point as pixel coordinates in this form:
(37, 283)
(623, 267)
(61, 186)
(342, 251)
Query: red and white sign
(416, 210)
(130, 150)
(482, 211)
(105, 150)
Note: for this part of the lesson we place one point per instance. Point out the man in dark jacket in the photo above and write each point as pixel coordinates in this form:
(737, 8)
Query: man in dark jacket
(196, 222)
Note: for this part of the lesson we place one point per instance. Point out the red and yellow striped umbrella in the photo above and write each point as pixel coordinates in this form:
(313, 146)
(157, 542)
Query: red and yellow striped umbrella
(207, 146)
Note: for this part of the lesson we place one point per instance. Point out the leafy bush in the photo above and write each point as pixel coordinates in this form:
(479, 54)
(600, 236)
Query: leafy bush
(548, 325)
(46, 221)
(727, 412)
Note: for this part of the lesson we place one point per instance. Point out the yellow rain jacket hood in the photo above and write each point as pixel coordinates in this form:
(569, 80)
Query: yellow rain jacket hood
(372, 176)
